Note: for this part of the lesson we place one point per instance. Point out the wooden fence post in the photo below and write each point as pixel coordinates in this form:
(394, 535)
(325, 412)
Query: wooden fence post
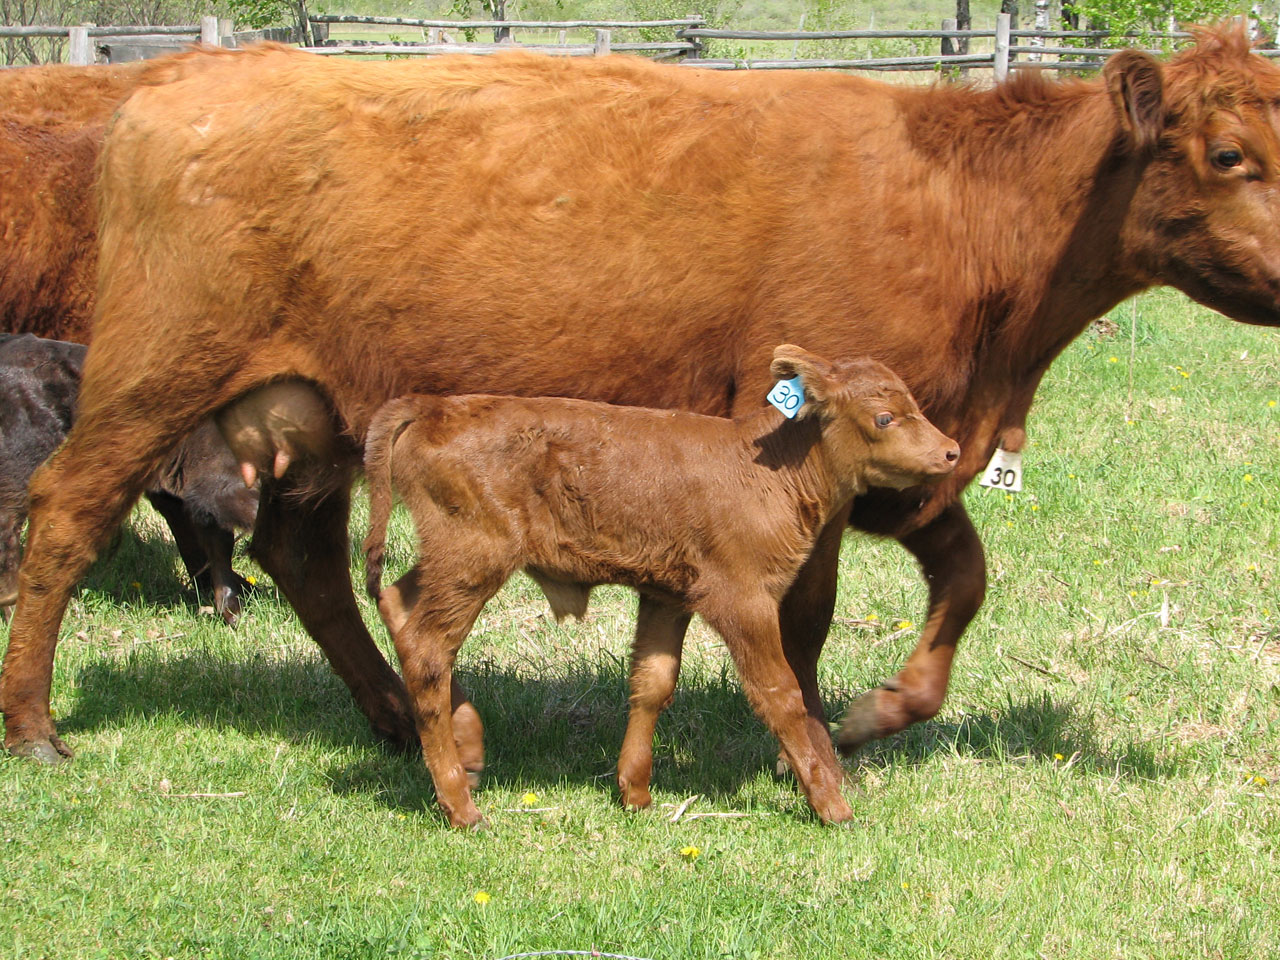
(226, 28)
(1001, 63)
(603, 42)
(209, 30)
(80, 49)
(948, 45)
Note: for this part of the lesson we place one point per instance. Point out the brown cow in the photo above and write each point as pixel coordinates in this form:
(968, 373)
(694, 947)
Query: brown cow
(653, 232)
(700, 514)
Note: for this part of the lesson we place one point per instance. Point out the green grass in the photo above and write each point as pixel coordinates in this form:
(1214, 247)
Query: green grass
(1102, 781)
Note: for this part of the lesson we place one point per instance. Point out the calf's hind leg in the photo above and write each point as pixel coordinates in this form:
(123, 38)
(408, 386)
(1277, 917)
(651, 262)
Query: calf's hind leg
(395, 603)
(655, 666)
(303, 545)
(427, 643)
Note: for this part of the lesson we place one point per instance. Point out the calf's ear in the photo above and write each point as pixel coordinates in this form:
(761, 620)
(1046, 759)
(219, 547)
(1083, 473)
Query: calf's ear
(792, 361)
(1135, 81)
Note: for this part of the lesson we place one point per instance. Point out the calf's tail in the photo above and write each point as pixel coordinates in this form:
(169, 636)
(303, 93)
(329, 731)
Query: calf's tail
(388, 423)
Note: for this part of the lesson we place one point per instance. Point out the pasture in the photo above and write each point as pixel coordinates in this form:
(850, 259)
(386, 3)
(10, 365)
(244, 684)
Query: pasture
(1103, 780)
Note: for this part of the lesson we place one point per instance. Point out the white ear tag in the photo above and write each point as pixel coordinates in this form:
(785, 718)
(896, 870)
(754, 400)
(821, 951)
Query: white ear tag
(788, 396)
(1004, 472)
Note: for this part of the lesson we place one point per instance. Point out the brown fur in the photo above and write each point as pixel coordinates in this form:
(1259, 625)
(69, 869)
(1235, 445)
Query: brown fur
(700, 514)
(617, 230)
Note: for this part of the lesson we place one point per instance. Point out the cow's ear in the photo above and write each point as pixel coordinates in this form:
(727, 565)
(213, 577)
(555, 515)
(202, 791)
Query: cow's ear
(791, 361)
(1135, 82)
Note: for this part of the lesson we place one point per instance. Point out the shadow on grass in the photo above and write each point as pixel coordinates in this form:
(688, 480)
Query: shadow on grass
(141, 566)
(544, 731)
(1040, 729)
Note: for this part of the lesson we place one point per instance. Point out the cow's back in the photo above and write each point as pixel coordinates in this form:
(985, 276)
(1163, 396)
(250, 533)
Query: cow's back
(514, 224)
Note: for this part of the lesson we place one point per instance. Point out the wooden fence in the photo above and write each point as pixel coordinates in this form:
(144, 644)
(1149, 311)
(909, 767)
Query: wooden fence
(1009, 49)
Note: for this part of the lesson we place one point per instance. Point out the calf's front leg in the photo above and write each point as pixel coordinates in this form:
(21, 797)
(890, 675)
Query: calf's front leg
(751, 633)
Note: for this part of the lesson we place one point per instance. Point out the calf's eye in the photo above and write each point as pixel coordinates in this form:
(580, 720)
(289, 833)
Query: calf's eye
(1224, 158)
(883, 420)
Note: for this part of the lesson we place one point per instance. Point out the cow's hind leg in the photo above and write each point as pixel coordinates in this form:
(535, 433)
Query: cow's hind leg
(302, 544)
(76, 504)
(952, 562)
(655, 666)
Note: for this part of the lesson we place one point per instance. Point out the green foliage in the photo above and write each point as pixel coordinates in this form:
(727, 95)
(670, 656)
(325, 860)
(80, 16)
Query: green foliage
(1145, 17)
(256, 14)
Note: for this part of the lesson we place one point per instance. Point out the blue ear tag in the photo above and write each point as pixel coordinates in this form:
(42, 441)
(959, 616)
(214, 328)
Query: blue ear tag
(788, 396)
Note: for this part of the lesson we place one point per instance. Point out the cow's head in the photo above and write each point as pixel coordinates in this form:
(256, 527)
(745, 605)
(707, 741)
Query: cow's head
(1205, 215)
(873, 432)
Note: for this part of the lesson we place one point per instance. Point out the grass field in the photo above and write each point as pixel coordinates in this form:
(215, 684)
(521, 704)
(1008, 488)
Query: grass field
(1103, 782)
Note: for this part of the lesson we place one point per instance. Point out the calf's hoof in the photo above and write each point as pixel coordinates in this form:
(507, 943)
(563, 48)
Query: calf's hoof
(52, 751)
(782, 768)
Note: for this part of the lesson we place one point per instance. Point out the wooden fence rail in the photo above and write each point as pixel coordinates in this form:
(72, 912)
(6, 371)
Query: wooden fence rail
(690, 36)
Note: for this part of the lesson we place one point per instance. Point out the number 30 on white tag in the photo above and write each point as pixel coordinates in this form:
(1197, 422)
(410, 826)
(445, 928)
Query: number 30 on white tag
(1004, 471)
(788, 396)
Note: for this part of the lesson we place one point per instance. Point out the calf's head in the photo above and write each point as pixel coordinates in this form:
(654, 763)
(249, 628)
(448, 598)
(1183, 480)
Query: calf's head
(873, 432)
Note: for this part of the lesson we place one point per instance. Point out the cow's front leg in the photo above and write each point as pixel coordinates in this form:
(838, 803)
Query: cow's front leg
(953, 565)
(303, 545)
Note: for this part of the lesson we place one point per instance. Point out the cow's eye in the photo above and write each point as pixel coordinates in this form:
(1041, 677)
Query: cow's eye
(1224, 158)
(883, 420)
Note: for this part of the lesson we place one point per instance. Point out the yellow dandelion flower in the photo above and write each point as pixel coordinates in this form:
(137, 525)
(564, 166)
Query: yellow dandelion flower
(903, 625)
(1248, 478)
(1097, 563)
(1133, 593)
(872, 617)
(481, 897)
(1271, 403)
(690, 853)
(251, 580)
(137, 584)
(1184, 373)
(1008, 523)
(529, 799)
(1113, 359)
(1258, 780)
(1058, 756)
(1035, 506)
(905, 885)
(1252, 566)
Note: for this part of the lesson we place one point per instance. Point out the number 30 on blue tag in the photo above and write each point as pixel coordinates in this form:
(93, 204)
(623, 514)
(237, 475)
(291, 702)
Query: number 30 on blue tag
(788, 396)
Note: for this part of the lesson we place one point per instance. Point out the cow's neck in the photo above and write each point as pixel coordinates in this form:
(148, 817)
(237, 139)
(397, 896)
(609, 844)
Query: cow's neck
(1044, 205)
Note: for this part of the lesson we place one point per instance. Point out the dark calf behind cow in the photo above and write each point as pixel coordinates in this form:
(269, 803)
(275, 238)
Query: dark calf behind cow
(197, 487)
(666, 228)
(702, 515)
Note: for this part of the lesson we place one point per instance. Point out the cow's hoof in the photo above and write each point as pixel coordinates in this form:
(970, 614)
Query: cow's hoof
(860, 725)
(52, 751)
(782, 769)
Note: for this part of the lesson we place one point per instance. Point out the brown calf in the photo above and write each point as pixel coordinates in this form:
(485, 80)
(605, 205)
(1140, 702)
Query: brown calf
(700, 514)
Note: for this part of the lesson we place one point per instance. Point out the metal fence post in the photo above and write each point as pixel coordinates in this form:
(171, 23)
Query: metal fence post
(80, 49)
(1001, 63)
